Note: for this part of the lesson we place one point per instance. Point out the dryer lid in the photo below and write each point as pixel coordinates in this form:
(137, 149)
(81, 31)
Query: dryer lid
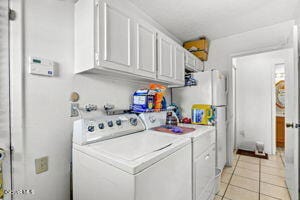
(135, 146)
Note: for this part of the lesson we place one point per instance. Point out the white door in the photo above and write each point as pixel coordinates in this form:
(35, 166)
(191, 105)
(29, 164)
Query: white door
(179, 64)
(165, 59)
(292, 121)
(116, 38)
(145, 50)
(5, 168)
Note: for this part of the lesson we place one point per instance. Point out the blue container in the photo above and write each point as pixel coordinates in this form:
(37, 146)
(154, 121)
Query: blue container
(143, 101)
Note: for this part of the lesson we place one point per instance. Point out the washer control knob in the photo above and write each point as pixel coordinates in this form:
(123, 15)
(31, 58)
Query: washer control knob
(152, 119)
(91, 128)
(101, 125)
(119, 122)
(133, 121)
(110, 123)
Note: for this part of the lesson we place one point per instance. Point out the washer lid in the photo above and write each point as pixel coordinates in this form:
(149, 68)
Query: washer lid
(136, 152)
(134, 147)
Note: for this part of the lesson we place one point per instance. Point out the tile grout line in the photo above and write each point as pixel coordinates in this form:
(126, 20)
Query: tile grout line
(252, 179)
(273, 175)
(282, 160)
(230, 177)
(273, 184)
(259, 179)
(243, 188)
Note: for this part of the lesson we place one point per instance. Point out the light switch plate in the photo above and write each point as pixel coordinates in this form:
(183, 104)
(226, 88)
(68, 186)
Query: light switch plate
(41, 165)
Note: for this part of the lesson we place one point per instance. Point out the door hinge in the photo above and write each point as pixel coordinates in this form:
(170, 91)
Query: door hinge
(97, 60)
(12, 15)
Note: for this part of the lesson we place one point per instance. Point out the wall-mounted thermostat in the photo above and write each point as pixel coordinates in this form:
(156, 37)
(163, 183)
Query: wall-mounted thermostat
(44, 67)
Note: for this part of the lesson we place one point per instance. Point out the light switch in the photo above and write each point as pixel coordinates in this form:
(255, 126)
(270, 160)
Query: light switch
(41, 165)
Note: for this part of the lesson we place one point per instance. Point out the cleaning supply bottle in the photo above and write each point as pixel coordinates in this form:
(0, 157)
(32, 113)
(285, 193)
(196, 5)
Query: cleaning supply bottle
(202, 114)
(159, 95)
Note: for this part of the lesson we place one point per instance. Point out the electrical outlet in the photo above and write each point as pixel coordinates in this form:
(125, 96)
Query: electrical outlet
(242, 133)
(74, 109)
(41, 165)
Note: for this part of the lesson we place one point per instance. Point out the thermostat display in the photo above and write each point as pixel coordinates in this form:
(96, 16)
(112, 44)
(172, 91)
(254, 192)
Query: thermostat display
(44, 67)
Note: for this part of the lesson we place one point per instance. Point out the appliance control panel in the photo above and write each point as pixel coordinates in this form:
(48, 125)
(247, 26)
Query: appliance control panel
(90, 130)
(154, 119)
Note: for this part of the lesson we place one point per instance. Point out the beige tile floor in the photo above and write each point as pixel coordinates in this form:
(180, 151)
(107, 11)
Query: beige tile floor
(254, 179)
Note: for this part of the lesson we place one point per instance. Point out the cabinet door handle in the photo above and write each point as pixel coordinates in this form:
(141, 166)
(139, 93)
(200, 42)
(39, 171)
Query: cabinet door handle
(207, 157)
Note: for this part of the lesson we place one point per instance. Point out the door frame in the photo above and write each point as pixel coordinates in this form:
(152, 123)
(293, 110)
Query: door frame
(233, 133)
(17, 96)
(6, 163)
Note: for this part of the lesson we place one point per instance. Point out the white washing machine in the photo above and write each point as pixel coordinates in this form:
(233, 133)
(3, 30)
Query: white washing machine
(203, 152)
(115, 159)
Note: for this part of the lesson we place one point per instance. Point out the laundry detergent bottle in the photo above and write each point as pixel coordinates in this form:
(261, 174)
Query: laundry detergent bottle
(202, 114)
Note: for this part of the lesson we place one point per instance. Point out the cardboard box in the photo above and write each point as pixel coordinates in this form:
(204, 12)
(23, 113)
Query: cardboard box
(202, 55)
(197, 45)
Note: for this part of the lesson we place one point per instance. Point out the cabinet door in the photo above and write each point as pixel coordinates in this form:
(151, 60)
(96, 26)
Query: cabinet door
(204, 172)
(117, 39)
(179, 64)
(199, 65)
(165, 59)
(145, 50)
(190, 61)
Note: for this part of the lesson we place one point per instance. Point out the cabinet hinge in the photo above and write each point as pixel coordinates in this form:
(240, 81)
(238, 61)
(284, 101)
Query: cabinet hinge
(97, 2)
(11, 15)
(97, 61)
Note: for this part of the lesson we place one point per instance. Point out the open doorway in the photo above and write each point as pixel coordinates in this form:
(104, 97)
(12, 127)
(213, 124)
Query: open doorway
(258, 86)
(259, 100)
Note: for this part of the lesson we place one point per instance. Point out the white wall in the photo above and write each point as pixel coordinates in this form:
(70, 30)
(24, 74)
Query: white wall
(255, 100)
(222, 50)
(297, 17)
(42, 126)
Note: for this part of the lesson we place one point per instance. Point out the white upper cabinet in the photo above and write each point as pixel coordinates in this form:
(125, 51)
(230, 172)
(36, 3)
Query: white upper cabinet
(116, 37)
(165, 58)
(179, 55)
(145, 42)
(199, 65)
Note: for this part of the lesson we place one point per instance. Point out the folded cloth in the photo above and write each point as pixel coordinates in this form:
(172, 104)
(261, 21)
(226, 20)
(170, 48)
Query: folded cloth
(177, 129)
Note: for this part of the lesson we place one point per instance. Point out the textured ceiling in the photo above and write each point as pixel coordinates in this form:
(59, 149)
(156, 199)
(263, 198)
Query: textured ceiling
(189, 19)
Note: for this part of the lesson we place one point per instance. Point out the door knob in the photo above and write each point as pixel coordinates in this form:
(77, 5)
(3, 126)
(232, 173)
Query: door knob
(289, 125)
